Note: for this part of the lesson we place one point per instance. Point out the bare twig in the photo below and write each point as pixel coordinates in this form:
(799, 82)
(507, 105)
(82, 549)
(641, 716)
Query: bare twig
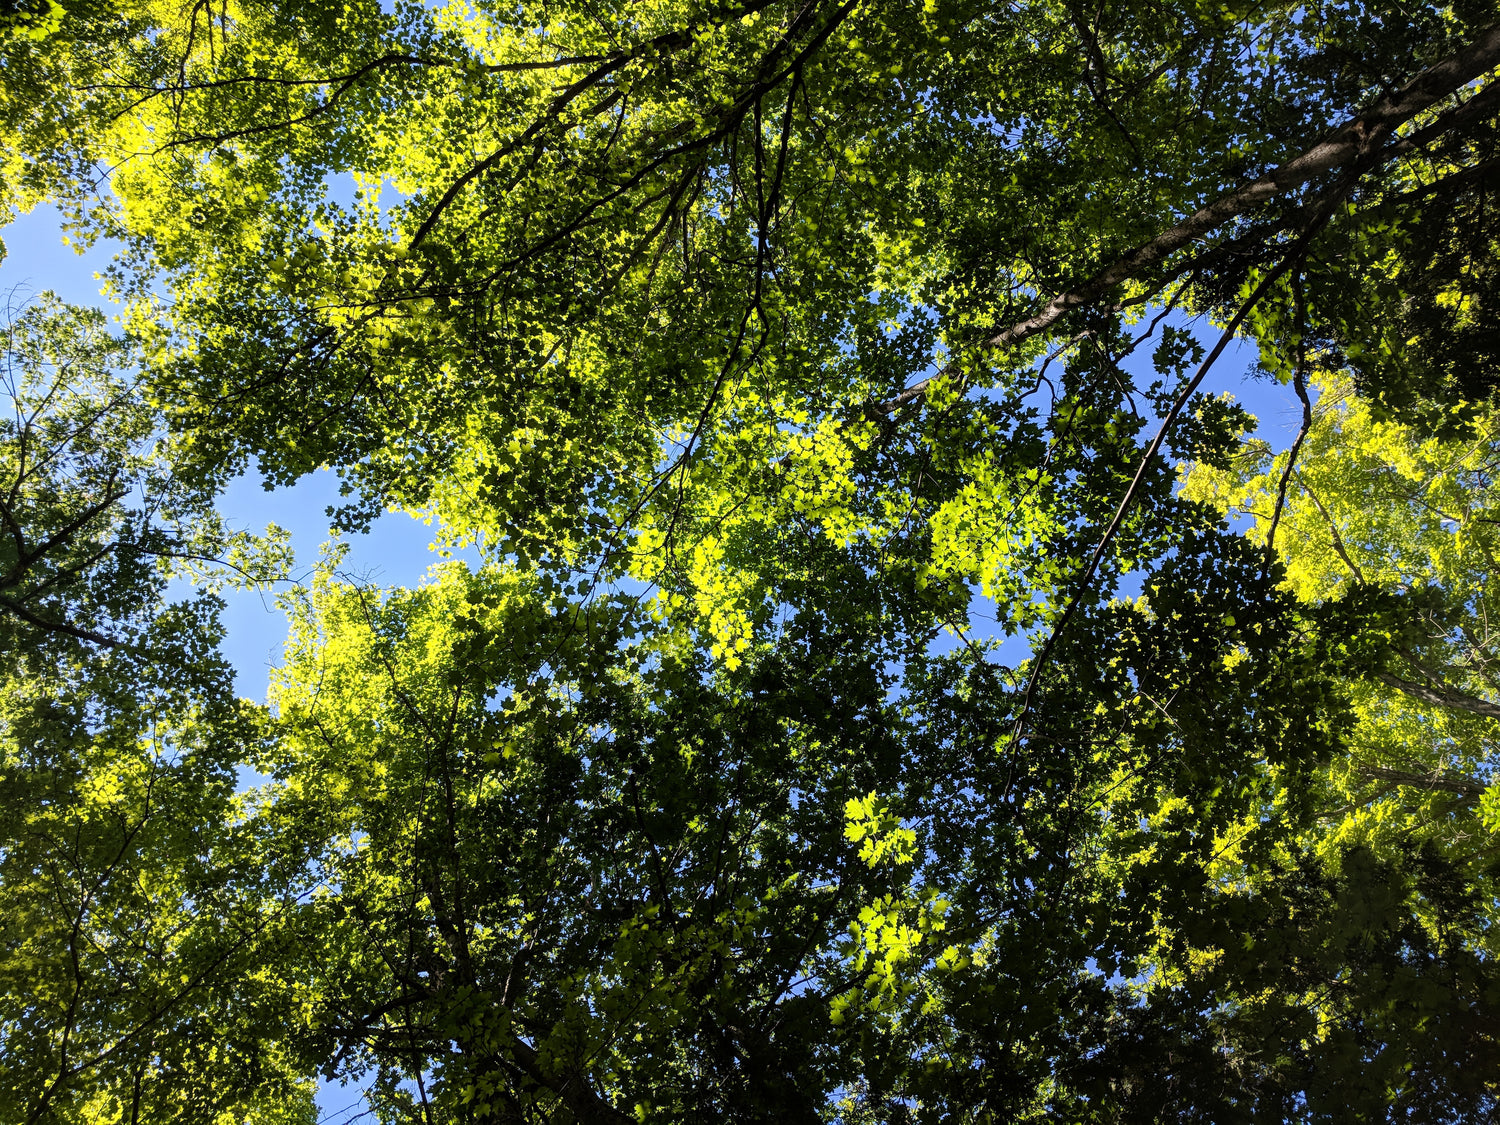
(1299, 383)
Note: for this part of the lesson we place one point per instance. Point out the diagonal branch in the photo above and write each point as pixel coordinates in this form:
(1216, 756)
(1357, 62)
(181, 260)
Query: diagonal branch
(345, 83)
(1441, 696)
(75, 631)
(549, 115)
(1333, 527)
(1358, 140)
(61, 535)
(772, 73)
(1449, 781)
(1299, 382)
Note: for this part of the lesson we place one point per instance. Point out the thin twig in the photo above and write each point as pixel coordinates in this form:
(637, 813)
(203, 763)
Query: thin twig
(1299, 383)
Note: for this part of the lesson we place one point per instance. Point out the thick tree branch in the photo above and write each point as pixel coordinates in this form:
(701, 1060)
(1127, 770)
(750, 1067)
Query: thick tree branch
(75, 631)
(1451, 184)
(61, 536)
(1359, 139)
(1446, 780)
(1441, 696)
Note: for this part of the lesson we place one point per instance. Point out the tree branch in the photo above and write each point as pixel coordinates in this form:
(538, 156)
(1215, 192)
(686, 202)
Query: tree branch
(1147, 459)
(1299, 382)
(1441, 696)
(1447, 780)
(1333, 527)
(18, 610)
(1359, 139)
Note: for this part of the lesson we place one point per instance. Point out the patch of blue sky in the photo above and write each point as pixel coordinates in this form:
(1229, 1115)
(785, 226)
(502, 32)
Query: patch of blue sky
(373, 197)
(345, 1103)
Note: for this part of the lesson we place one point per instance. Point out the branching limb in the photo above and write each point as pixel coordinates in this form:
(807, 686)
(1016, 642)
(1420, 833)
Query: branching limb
(16, 609)
(1333, 528)
(1362, 142)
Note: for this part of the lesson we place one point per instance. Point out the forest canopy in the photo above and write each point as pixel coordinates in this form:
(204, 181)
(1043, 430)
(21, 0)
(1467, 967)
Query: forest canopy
(893, 682)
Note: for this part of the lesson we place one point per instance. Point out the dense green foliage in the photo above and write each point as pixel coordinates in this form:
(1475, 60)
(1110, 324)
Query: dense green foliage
(866, 708)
